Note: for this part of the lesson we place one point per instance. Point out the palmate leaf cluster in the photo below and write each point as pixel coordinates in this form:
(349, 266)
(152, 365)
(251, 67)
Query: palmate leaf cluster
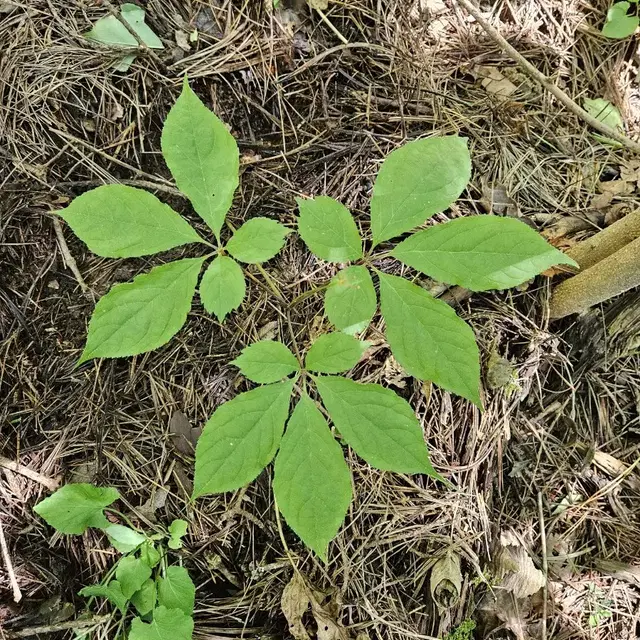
(312, 483)
(118, 221)
(162, 596)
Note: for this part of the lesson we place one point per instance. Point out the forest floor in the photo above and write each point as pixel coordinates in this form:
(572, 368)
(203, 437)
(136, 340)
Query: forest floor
(545, 477)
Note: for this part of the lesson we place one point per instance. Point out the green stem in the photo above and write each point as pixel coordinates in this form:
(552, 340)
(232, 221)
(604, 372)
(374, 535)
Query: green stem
(308, 294)
(270, 282)
(119, 513)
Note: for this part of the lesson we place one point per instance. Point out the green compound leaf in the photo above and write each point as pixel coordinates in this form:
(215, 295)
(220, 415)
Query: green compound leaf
(123, 538)
(142, 315)
(131, 574)
(480, 252)
(223, 287)
(112, 592)
(176, 590)
(350, 301)
(329, 230)
(202, 156)
(167, 624)
(428, 339)
(618, 24)
(379, 425)
(145, 598)
(76, 507)
(312, 483)
(257, 240)
(241, 438)
(177, 530)
(335, 353)
(419, 179)
(116, 221)
(266, 361)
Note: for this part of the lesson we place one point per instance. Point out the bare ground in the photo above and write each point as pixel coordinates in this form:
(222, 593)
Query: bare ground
(555, 450)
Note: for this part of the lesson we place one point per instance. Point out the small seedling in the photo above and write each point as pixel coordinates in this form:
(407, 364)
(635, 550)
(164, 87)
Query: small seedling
(118, 221)
(480, 253)
(163, 595)
(620, 23)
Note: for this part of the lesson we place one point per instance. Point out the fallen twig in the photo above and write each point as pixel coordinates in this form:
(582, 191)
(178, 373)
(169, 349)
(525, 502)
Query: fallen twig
(538, 76)
(68, 258)
(61, 626)
(604, 280)
(17, 595)
(51, 483)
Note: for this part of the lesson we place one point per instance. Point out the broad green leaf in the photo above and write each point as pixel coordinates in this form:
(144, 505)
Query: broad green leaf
(618, 24)
(379, 425)
(334, 353)
(350, 301)
(202, 156)
(177, 530)
(428, 339)
(312, 483)
(167, 624)
(142, 315)
(257, 240)
(480, 252)
(329, 230)
(604, 111)
(123, 538)
(149, 554)
(241, 438)
(76, 507)
(117, 221)
(223, 287)
(109, 30)
(145, 598)
(176, 590)
(419, 179)
(608, 114)
(266, 361)
(131, 574)
(112, 592)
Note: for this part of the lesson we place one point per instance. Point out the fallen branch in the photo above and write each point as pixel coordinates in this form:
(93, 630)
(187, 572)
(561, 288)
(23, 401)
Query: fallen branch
(66, 254)
(539, 77)
(606, 242)
(610, 277)
(17, 595)
(51, 483)
(60, 626)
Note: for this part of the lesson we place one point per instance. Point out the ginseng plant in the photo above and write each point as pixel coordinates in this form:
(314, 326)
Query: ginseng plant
(312, 483)
(119, 221)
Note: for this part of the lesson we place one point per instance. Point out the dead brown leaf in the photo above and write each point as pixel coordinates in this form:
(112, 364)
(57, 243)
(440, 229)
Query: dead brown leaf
(393, 373)
(515, 569)
(182, 40)
(494, 82)
(446, 581)
(183, 435)
(496, 200)
(297, 597)
(614, 468)
(294, 604)
(620, 570)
